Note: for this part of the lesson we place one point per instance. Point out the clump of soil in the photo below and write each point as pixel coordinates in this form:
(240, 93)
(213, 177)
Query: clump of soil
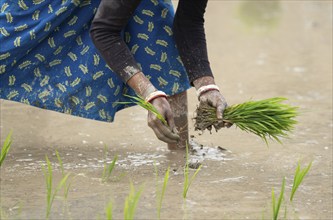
(194, 164)
(205, 118)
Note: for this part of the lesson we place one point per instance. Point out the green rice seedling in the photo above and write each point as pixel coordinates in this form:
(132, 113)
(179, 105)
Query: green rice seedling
(5, 148)
(108, 211)
(131, 202)
(146, 105)
(165, 182)
(268, 118)
(108, 168)
(276, 205)
(187, 180)
(60, 163)
(298, 178)
(161, 192)
(48, 172)
(67, 185)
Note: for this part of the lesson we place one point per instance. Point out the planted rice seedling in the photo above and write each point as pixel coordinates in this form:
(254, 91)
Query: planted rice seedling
(187, 180)
(268, 118)
(108, 211)
(131, 202)
(67, 184)
(277, 205)
(5, 148)
(146, 105)
(60, 163)
(161, 192)
(48, 172)
(108, 168)
(298, 178)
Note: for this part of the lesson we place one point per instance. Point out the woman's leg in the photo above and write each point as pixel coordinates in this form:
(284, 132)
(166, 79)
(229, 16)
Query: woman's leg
(179, 108)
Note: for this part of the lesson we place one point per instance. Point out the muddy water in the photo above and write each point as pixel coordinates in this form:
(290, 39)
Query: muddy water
(280, 48)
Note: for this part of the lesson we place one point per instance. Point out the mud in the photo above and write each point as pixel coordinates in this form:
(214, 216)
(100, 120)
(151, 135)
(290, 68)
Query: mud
(285, 50)
(205, 118)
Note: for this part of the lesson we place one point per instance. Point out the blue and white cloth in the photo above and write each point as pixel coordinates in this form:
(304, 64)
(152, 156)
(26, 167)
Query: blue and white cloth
(48, 60)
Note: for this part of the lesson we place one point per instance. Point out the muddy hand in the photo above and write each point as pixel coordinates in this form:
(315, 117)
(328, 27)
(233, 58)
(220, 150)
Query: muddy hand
(144, 88)
(168, 134)
(214, 98)
(209, 93)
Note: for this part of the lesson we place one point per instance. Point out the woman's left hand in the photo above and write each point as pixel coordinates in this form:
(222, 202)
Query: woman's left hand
(213, 98)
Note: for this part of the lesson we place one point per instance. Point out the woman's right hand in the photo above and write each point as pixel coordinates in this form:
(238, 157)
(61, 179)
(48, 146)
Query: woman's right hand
(168, 134)
(143, 87)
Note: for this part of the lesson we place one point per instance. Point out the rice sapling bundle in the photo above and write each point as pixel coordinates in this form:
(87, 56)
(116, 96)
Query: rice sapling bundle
(268, 118)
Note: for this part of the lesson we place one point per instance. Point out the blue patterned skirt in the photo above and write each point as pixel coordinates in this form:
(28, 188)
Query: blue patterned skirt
(48, 60)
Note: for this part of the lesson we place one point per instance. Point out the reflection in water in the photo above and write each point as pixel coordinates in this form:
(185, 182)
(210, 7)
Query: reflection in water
(260, 14)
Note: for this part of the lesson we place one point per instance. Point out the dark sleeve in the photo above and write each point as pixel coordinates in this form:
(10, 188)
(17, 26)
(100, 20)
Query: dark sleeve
(190, 37)
(110, 19)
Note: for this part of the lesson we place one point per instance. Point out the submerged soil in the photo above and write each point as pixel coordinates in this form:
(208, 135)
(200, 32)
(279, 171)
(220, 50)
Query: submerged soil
(257, 50)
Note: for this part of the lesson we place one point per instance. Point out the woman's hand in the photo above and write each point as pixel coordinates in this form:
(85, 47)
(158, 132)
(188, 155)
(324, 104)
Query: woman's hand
(143, 87)
(213, 98)
(168, 134)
